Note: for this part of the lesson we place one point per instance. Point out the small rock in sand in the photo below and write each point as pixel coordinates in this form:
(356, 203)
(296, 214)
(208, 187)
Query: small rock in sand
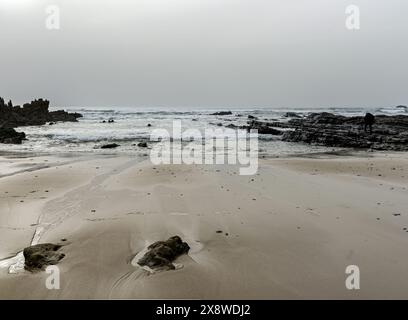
(161, 254)
(42, 255)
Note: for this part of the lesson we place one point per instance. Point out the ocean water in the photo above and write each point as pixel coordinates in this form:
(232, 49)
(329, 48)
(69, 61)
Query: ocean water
(130, 127)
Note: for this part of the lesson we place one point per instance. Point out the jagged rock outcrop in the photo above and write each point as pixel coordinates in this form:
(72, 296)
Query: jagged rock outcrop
(161, 254)
(32, 114)
(389, 132)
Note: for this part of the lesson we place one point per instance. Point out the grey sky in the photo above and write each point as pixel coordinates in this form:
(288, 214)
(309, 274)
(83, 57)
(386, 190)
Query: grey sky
(278, 53)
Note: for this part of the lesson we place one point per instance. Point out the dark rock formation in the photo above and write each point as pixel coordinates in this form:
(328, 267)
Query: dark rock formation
(251, 117)
(389, 132)
(232, 126)
(222, 113)
(9, 135)
(32, 114)
(110, 146)
(40, 256)
(161, 254)
(142, 144)
(263, 128)
(292, 115)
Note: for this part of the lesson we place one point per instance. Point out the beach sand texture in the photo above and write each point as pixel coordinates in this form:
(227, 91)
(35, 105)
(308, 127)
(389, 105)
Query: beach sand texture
(288, 232)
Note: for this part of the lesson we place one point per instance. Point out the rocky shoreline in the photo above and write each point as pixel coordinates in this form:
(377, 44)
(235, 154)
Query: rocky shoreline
(389, 132)
(331, 130)
(35, 113)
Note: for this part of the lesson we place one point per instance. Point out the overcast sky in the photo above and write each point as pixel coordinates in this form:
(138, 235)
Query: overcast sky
(205, 53)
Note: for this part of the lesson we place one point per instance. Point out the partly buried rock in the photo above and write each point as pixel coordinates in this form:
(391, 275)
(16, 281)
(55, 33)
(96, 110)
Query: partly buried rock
(40, 256)
(161, 254)
(11, 136)
(142, 144)
(110, 146)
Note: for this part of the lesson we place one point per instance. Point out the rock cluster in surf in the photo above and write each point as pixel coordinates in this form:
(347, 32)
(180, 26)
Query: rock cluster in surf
(11, 136)
(30, 114)
(331, 130)
(389, 132)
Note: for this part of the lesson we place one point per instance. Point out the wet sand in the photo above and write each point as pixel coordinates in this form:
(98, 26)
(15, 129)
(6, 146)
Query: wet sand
(288, 232)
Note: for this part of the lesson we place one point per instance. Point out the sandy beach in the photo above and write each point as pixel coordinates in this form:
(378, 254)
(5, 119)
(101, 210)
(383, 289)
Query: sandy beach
(288, 232)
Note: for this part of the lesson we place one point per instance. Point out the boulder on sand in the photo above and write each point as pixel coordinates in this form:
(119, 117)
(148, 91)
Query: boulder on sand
(39, 256)
(161, 254)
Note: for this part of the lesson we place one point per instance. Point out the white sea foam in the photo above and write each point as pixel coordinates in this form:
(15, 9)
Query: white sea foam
(130, 127)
